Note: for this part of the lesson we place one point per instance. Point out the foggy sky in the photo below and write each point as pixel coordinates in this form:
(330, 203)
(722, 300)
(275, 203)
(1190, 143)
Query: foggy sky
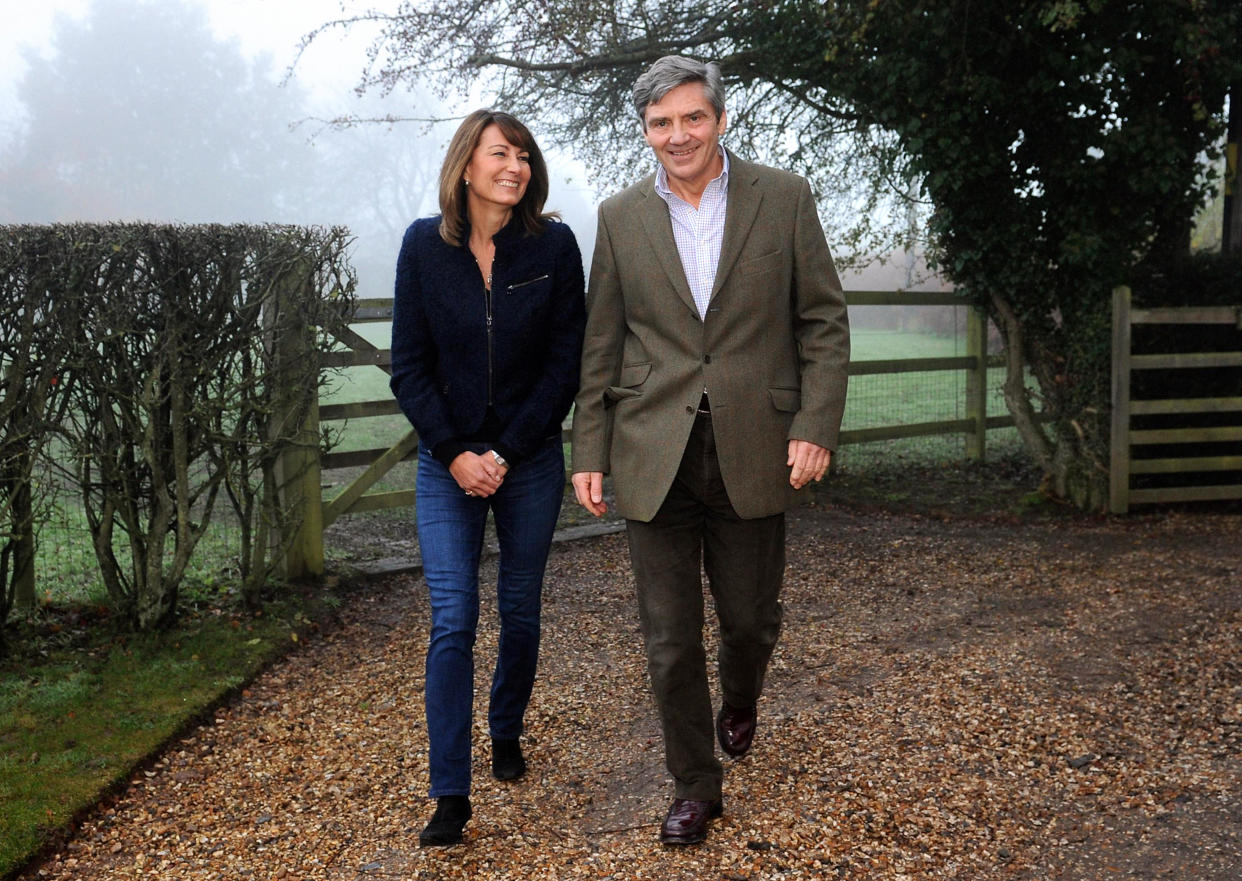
(141, 111)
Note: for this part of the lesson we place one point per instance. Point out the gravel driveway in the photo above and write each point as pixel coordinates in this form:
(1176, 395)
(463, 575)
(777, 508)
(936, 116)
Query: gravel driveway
(966, 699)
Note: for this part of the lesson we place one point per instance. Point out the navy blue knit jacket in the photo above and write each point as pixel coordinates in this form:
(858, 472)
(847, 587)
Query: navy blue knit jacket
(448, 369)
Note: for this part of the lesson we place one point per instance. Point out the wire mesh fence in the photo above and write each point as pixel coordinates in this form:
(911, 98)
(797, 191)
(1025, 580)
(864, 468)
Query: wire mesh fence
(909, 398)
(66, 569)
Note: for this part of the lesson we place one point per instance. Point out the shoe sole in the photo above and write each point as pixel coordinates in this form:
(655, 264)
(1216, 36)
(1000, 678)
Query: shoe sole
(439, 841)
(682, 842)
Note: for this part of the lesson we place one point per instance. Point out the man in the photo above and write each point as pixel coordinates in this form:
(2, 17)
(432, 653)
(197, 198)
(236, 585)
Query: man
(713, 383)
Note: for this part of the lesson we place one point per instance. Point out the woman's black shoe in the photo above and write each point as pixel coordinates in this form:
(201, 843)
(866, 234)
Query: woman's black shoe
(452, 812)
(507, 760)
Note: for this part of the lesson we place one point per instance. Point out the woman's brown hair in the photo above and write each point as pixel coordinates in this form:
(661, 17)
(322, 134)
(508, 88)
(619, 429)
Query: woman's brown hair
(453, 188)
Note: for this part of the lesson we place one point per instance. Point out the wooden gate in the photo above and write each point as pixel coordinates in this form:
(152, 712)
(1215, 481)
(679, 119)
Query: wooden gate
(354, 498)
(1126, 439)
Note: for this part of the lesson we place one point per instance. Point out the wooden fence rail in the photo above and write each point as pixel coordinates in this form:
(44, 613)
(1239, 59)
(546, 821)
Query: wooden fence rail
(1124, 438)
(304, 476)
(356, 498)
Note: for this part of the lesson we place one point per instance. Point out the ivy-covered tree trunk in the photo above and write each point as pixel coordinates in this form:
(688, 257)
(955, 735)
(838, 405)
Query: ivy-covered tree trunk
(1065, 438)
(1062, 148)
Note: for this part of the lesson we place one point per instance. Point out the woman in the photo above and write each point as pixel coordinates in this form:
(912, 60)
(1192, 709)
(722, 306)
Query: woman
(488, 319)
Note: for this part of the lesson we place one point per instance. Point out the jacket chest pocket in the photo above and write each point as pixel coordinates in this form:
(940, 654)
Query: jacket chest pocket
(528, 283)
(764, 263)
(527, 299)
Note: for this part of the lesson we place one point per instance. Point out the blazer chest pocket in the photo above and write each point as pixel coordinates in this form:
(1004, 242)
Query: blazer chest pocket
(758, 265)
(787, 400)
(632, 376)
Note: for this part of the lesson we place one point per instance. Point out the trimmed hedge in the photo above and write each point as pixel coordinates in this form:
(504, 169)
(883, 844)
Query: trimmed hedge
(158, 368)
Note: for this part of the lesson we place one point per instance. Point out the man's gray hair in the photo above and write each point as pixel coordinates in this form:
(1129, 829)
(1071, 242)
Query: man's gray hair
(672, 71)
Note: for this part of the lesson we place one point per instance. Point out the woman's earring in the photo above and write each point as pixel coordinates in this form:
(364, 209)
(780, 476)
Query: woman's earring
(467, 180)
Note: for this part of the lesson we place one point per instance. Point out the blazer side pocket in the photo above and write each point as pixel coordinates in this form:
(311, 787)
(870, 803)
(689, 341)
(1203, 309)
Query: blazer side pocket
(632, 376)
(787, 400)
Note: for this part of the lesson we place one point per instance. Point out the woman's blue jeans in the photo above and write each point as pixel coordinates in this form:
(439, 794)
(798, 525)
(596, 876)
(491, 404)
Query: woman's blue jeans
(450, 534)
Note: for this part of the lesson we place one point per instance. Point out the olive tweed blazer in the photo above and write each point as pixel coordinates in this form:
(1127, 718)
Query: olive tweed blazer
(772, 351)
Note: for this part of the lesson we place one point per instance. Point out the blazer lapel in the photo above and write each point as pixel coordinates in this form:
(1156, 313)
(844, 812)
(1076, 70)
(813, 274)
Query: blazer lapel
(743, 207)
(660, 234)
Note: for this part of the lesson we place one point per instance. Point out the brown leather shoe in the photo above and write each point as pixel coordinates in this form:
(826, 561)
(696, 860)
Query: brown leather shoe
(735, 729)
(686, 822)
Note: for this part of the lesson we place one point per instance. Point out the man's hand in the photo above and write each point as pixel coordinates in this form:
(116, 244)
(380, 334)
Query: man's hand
(589, 488)
(807, 462)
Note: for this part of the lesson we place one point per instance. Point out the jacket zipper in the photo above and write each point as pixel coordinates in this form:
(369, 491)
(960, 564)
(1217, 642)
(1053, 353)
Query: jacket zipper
(487, 295)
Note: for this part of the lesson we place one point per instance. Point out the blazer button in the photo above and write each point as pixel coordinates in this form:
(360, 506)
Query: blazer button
(707, 359)
(689, 409)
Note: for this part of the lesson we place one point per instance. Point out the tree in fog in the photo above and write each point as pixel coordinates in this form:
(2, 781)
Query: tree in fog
(385, 168)
(141, 113)
(1059, 144)
(384, 173)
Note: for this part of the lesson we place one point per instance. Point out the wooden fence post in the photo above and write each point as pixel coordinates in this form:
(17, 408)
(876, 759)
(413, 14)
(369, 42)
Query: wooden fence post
(977, 382)
(299, 477)
(297, 473)
(1119, 435)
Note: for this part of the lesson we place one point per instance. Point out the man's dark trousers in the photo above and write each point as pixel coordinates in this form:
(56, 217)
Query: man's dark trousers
(744, 561)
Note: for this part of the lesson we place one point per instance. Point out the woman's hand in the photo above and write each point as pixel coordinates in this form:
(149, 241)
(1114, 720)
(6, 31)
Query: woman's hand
(477, 475)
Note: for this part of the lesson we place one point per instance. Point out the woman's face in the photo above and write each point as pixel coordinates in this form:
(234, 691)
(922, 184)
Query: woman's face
(498, 172)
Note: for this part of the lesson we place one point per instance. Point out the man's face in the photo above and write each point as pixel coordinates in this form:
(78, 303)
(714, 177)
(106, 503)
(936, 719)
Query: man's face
(684, 132)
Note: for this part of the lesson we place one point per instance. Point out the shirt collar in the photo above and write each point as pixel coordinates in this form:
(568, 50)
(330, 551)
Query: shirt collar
(661, 179)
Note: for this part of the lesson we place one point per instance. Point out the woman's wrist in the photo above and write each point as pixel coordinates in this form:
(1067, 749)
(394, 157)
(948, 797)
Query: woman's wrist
(446, 451)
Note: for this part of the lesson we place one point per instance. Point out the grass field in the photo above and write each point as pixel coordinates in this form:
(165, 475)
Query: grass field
(81, 705)
(67, 570)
